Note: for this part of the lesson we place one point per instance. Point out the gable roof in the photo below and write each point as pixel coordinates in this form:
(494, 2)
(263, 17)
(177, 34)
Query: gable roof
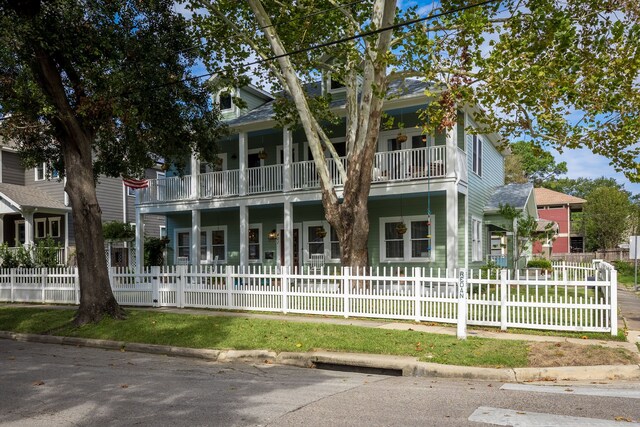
(546, 197)
(20, 197)
(515, 195)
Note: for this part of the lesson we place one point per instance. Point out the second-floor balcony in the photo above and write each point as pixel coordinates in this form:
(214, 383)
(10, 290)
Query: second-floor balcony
(438, 162)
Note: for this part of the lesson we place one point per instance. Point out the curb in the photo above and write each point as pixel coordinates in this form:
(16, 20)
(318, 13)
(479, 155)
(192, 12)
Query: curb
(407, 366)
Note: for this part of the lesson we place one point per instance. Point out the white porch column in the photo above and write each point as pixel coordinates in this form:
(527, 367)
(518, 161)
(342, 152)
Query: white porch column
(286, 172)
(139, 241)
(28, 227)
(195, 237)
(242, 157)
(288, 234)
(244, 235)
(195, 176)
(1, 227)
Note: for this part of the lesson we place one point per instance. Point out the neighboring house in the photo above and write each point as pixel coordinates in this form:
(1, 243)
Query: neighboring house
(260, 203)
(500, 230)
(566, 212)
(34, 206)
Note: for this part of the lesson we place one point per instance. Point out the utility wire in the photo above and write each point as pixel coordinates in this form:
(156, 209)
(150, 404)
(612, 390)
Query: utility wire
(335, 42)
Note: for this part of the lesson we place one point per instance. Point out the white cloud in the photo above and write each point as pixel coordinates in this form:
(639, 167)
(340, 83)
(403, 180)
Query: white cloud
(582, 163)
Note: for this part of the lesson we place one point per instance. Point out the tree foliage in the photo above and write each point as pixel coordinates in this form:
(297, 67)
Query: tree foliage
(606, 216)
(582, 187)
(97, 87)
(537, 164)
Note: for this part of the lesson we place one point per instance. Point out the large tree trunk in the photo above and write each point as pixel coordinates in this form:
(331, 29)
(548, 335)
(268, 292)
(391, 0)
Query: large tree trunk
(96, 297)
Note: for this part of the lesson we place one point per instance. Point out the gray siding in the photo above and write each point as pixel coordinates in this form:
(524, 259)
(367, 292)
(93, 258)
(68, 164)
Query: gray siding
(12, 170)
(252, 100)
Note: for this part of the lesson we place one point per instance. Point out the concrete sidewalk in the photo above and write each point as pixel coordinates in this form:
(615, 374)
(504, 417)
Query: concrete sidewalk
(629, 313)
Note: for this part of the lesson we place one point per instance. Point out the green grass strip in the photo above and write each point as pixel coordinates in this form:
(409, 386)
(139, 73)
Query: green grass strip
(278, 335)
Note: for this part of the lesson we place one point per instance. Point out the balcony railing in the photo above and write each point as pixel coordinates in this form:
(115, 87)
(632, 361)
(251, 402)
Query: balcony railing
(220, 184)
(390, 166)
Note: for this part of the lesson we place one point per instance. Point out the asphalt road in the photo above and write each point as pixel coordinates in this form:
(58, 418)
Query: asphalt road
(53, 385)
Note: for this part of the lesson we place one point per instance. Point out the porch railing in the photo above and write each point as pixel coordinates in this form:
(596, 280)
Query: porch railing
(389, 166)
(265, 179)
(220, 184)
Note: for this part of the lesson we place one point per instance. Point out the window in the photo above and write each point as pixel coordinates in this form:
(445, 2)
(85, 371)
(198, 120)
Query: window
(335, 245)
(416, 244)
(40, 228)
(476, 239)
(163, 231)
(334, 85)
(255, 232)
(204, 247)
(183, 245)
(41, 172)
(218, 244)
(477, 155)
(316, 239)
(20, 232)
(225, 100)
(54, 227)
(131, 192)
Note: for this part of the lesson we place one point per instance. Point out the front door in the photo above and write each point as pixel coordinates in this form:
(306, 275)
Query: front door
(295, 248)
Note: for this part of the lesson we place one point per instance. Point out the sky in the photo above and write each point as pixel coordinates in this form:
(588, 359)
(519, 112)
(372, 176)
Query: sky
(582, 163)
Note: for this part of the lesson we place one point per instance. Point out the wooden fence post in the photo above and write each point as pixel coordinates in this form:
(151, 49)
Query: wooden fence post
(462, 304)
(43, 282)
(504, 276)
(76, 282)
(417, 288)
(346, 272)
(12, 278)
(614, 302)
(285, 289)
(229, 283)
(155, 285)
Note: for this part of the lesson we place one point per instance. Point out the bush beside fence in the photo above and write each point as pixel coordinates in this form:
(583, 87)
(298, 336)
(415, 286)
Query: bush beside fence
(570, 297)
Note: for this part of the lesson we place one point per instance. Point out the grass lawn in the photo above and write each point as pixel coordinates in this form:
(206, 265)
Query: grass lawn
(248, 333)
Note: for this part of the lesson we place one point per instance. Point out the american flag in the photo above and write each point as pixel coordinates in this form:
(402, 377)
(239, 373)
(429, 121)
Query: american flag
(135, 183)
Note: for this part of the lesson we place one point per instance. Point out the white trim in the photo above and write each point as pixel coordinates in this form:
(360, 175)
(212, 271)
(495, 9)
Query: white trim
(305, 239)
(51, 221)
(477, 241)
(406, 239)
(163, 231)
(35, 227)
(233, 93)
(260, 243)
(16, 238)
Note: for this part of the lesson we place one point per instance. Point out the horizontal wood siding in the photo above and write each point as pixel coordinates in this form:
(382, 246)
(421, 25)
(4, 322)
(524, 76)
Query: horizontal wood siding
(12, 170)
(481, 187)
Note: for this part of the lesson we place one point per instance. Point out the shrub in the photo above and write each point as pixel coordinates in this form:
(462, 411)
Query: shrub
(541, 263)
(624, 267)
(154, 250)
(118, 230)
(46, 253)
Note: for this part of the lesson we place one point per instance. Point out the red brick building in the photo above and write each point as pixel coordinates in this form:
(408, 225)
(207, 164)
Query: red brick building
(565, 211)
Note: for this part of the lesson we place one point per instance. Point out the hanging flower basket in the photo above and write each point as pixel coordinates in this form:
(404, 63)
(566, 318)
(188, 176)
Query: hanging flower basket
(321, 232)
(401, 137)
(401, 228)
(262, 155)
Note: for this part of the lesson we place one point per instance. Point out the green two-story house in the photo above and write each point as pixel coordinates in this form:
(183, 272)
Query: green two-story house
(260, 202)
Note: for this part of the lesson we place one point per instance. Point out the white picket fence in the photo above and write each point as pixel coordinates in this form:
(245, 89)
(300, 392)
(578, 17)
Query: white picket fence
(570, 298)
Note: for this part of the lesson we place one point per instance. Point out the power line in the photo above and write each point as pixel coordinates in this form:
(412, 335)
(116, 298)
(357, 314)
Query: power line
(335, 42)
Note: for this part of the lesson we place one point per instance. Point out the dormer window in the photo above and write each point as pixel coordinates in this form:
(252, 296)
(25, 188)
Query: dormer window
(225, 100)
(334, 85)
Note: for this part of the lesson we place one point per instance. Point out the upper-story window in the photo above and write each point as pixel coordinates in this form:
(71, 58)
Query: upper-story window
(41, 172)
(334, 85)
(225, 100)
(477, 155)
